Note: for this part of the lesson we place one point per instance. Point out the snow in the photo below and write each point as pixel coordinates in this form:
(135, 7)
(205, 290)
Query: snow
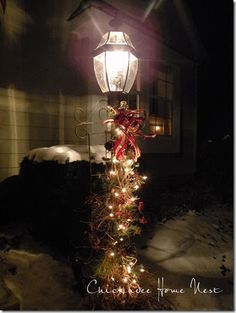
(40, 282)
(195, 245)
(67, 153)
(191, 245)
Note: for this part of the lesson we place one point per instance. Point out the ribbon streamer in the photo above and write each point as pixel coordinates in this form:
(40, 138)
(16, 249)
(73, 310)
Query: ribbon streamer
(129, 123)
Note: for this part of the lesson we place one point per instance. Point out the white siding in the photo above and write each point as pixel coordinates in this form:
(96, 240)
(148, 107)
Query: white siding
(30, 121)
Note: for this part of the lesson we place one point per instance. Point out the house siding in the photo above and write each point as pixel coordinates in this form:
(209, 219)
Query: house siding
(32, 121)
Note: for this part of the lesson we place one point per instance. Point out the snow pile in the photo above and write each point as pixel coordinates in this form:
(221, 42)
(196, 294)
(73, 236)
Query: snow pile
(67, 153)
(198, 246)
(40, 282)
(194, 244)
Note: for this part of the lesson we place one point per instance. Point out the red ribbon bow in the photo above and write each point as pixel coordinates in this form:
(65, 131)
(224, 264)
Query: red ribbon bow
(130, 123)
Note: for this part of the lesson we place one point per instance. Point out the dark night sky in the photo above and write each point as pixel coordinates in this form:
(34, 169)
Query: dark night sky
(214, 23)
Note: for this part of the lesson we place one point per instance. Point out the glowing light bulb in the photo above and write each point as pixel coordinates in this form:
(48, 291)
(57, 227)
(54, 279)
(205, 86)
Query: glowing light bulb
(118, 131)
(112, 173)
(123, 190)
(110, 207)
(136, 187)
(112, 278)
(157, 128)
(142, 269)
(116, 194)
(111, 214)
(130, 162)
(129, 269)
(121, 239)
(126, 170)
(112, 254)
(121, 226)
(125, 280)
(132, 173)
(109, 126)
(134, 281)
(132, 199)
(145, 177)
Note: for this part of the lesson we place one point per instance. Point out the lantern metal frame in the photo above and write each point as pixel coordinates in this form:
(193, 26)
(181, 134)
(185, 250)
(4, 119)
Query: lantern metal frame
(115, 42)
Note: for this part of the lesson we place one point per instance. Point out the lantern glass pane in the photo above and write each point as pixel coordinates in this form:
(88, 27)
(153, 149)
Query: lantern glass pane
(128, 41)
(133, 68)
(116, 68)
(99, 69)
(103, 40)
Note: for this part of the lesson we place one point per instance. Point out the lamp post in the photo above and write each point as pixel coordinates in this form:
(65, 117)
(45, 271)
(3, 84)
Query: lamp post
(116, 66)
(115, 63)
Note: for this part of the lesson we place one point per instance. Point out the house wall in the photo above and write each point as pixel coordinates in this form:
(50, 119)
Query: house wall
(29, 121)
(47, 80)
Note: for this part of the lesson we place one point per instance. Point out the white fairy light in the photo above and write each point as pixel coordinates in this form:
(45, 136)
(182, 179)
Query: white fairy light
(129, 269)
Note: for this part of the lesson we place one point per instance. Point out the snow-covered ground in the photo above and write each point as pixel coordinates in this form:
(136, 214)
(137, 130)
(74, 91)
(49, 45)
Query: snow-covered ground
(191, 245)
(196, 246)
(37, 280)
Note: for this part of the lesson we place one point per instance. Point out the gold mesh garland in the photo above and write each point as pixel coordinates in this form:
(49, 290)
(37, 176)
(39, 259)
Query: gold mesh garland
(117, 214)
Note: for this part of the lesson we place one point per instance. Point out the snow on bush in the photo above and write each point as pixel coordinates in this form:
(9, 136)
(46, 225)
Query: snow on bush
(67, 153)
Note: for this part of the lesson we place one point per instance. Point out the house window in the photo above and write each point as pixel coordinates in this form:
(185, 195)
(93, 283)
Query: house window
(161, 101)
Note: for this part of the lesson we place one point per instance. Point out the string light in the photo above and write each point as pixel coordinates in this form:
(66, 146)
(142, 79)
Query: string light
(124, 215)
(121, 226)
(114, 160)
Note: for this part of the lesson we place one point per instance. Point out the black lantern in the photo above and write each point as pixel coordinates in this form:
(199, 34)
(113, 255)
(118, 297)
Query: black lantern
(115, 63)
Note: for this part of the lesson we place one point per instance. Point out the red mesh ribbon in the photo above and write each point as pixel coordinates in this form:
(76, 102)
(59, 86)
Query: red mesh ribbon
(130, 123)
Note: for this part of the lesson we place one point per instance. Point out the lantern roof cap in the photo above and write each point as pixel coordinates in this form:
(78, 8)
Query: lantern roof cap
(115, 39)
